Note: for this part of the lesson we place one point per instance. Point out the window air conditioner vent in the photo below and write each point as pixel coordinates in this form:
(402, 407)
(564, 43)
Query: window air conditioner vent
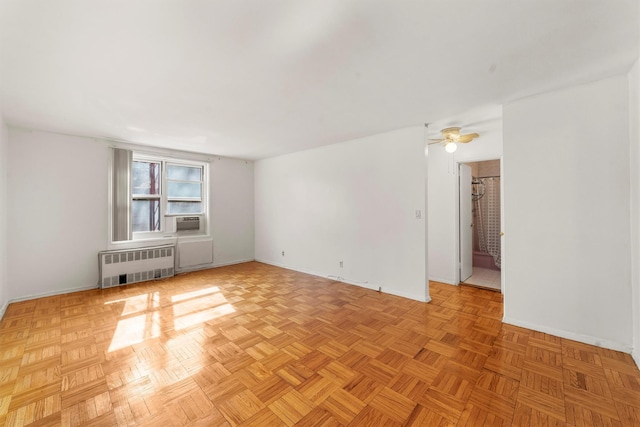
(187, 223)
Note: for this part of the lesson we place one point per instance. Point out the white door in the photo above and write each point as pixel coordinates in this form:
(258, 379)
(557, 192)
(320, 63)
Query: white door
(466, 223)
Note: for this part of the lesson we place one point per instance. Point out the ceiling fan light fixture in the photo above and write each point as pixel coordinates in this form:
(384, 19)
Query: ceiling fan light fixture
(450, 147)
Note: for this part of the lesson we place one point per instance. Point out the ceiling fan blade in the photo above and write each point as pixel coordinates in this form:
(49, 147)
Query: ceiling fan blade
(467, 137)
(436, 141)
(450, 131)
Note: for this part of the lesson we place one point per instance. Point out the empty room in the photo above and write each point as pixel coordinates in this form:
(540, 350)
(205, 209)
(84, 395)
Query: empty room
(319, 213)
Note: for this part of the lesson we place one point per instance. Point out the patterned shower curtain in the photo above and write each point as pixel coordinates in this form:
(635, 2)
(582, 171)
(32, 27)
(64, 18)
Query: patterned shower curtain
(488, 218)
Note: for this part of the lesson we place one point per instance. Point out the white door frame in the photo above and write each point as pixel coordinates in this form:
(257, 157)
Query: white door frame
(503, 281)
(456, 210)
(465, 222)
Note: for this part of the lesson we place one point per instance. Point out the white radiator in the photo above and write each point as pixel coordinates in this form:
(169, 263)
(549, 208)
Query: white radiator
(126, 266)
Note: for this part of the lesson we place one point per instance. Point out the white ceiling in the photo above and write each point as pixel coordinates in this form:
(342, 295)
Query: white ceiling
(258, 78)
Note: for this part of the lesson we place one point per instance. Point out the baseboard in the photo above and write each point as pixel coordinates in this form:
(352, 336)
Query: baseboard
(3, 309)
(88, 288)
(287, 267)
(390, 291)
(52, 293)
(366, 285)
(586, 339)
(420, 298)
(636, 357)
(241, 261)
(442, 280)
(212, 265)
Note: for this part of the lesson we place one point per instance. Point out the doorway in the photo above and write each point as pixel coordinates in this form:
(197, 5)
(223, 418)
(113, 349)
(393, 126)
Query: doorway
(480, 224)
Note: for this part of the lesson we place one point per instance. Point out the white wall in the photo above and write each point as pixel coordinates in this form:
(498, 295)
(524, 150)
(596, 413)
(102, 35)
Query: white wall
(442, 194)
(57, 212)
(4, 284)
(567, 213)
(232, 211)
(353, 202)
(634, 157)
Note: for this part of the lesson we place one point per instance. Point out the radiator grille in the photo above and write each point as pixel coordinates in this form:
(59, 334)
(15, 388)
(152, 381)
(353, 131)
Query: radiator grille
(135, 265)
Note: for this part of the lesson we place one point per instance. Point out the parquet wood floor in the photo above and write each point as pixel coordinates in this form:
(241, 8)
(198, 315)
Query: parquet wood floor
(256, 345)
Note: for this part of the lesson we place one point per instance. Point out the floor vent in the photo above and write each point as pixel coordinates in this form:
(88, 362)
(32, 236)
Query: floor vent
(126, 266)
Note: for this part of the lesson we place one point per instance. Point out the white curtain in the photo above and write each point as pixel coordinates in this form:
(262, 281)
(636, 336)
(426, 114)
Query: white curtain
(488, 219)
(121, 194)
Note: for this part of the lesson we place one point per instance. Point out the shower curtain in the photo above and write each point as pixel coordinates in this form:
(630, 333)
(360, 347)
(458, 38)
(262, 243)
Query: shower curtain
(488, 219)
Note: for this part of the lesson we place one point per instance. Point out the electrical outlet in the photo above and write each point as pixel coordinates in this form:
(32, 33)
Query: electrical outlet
(282, 253)
(341, 265)
(418, 214)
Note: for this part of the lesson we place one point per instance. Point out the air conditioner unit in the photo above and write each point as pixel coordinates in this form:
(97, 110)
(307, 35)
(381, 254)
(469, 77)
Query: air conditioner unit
(184, 223)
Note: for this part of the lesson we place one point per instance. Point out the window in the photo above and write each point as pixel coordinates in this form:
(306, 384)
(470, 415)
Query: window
(162, 188)
(184, 189)
(146, 195)
(148, 191)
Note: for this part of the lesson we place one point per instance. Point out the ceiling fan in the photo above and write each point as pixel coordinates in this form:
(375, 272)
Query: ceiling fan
(451, 137)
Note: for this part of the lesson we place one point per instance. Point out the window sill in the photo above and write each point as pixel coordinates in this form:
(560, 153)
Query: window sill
(165, 238)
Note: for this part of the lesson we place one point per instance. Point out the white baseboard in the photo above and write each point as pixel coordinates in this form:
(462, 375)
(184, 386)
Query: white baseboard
(420, 298)
(636, 357)
(213, 265)
(3, 309)
(371, 286)
(287, 267)
(52, 293)
(87, 288)
(44, 295)
(586, 339)
(240, 261)
(443, 280)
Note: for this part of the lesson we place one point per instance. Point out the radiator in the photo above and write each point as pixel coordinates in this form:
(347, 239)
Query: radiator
(126, 266)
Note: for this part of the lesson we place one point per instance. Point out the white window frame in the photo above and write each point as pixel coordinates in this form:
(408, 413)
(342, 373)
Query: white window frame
(149, 196)
(182, 199)
(163, 160)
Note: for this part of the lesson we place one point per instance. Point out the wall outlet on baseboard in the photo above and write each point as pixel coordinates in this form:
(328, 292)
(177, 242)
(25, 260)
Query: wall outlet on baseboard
(282, 253)
(341, 264)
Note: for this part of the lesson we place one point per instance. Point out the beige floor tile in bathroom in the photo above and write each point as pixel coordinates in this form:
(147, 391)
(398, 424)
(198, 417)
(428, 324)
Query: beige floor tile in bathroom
(485, 278)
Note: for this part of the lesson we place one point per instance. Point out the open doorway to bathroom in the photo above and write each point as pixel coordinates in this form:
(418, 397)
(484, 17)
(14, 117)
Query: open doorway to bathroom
(483, 251)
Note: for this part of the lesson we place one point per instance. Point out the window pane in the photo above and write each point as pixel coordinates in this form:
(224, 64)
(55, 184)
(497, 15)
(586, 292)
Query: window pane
(184, 173)
(146, 178)
(184, 189)
(146, 215)
(184, 207)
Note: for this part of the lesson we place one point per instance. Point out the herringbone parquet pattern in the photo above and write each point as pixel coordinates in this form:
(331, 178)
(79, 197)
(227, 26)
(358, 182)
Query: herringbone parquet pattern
(256, 345)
